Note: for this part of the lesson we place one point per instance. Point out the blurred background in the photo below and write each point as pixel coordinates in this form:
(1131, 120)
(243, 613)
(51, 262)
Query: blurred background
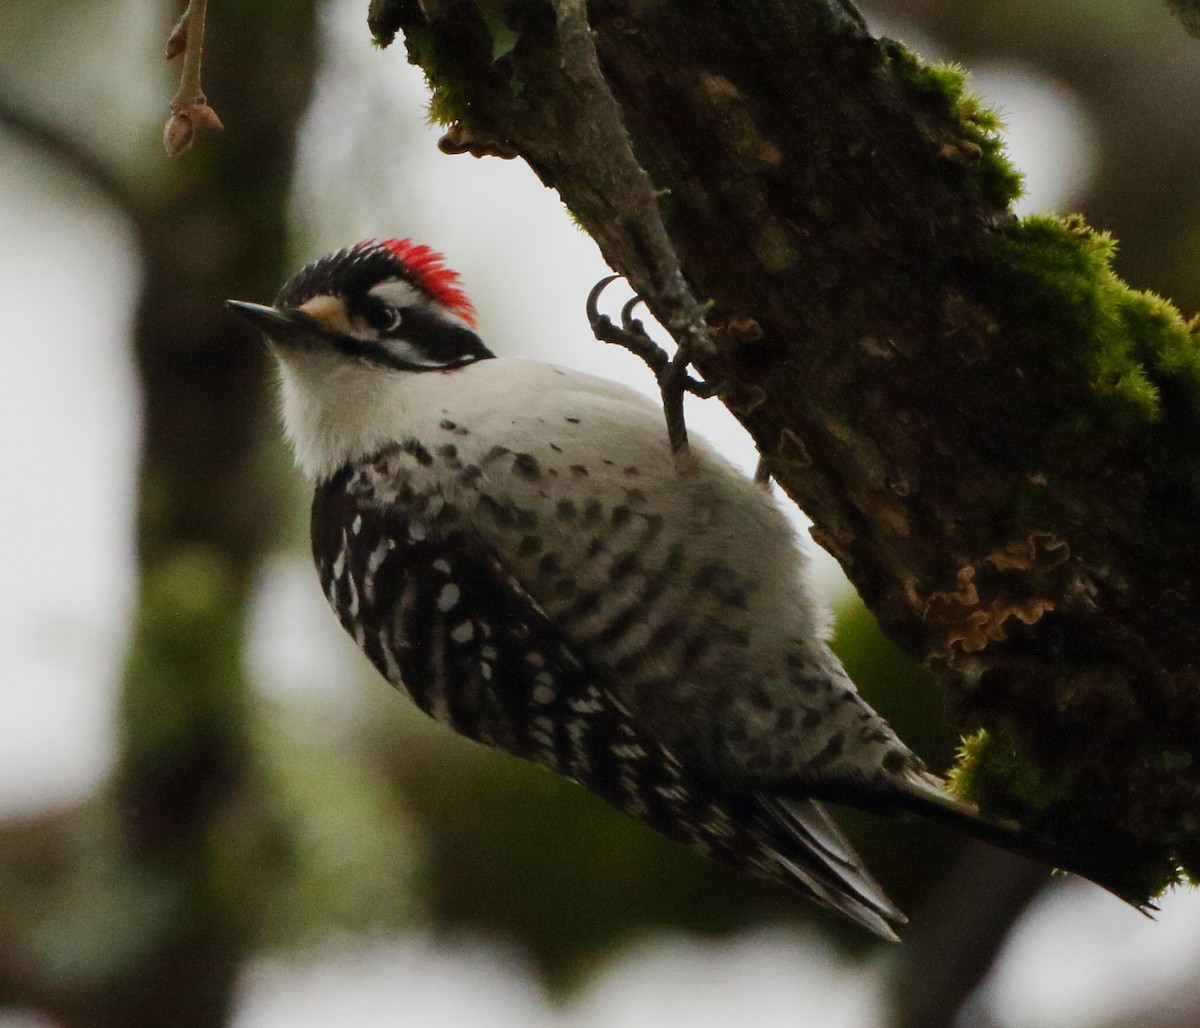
(211, 810)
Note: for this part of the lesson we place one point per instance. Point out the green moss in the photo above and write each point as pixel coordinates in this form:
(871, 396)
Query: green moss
(990, 765)
(944, 87)
(1123, 345)
(1173, 353)
(444, 105)
(480, 58)
(499, 26)
(949, 81)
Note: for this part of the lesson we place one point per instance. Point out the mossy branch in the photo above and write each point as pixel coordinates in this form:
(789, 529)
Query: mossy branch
(991, 432)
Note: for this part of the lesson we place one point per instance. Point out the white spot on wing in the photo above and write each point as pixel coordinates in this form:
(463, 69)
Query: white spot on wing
(448, 597)
(378, 555)
(374, 562)
(576, 730)
(542, 732)
(586, 705)
(392, 668)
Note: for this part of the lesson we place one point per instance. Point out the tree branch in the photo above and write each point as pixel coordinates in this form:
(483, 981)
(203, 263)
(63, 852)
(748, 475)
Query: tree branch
(641, 216)
(990, 431)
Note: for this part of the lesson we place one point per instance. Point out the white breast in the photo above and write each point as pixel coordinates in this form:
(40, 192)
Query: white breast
(593, 440)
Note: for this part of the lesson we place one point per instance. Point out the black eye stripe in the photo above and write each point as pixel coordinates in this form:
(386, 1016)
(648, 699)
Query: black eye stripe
(421, 341)
(439, 340)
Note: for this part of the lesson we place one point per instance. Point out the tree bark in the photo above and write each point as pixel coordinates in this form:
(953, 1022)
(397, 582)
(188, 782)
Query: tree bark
(990, 431)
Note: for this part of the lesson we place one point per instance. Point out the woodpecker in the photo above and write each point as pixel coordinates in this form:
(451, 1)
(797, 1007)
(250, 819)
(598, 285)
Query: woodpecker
(515, 546)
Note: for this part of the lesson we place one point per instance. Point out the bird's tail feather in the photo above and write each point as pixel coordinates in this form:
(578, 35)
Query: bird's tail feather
(925, 795)
(813, 850)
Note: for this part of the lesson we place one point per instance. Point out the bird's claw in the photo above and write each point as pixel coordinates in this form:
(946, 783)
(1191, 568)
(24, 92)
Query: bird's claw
(630, 334)
(670, 372)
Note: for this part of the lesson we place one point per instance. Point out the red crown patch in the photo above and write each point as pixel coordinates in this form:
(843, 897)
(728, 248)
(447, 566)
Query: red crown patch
(428, 272)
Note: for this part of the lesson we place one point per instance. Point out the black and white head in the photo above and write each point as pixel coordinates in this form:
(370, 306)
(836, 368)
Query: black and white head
(347, 329)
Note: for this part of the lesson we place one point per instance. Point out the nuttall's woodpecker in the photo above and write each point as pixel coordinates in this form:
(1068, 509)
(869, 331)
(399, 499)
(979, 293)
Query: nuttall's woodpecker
(515, 546)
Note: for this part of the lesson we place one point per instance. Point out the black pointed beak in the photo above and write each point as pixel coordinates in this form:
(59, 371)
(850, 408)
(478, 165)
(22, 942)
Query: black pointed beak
(279, 325)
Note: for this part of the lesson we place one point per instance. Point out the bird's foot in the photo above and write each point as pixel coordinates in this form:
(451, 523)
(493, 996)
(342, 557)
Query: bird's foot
(671, 372)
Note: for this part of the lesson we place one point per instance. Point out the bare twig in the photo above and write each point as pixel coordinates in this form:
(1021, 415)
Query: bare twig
(687, 323)
(189, 108)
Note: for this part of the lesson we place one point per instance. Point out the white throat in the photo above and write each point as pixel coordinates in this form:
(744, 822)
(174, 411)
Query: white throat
(336, 410)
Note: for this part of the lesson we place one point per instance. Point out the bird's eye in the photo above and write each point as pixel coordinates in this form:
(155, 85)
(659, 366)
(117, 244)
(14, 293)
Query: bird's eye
(382, 317)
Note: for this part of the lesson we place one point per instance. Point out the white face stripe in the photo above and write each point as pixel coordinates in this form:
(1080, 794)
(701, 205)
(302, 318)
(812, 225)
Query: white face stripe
(404, 352)
(397, 293)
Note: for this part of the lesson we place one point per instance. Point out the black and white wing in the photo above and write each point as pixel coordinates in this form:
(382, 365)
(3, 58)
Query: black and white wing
(445, 622)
